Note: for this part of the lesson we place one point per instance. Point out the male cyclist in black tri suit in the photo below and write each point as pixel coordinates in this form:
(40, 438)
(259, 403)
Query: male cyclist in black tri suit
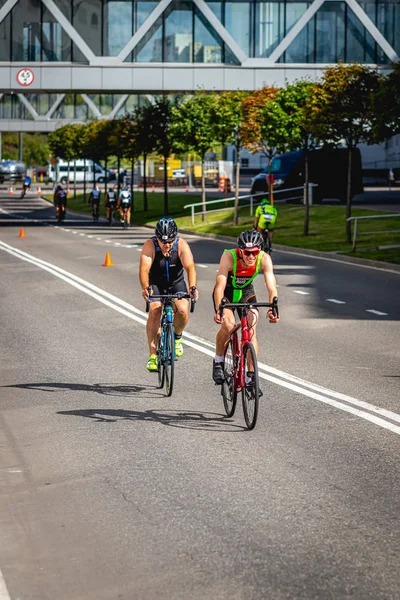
(60, 202)
(164, 259)
(110, 202)
(94, 200)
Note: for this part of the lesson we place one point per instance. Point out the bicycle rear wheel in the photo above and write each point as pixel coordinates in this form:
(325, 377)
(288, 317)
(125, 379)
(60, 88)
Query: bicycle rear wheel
(250, 391)
(169, 353)
(125, 221)
(228, 391)
(161, 360)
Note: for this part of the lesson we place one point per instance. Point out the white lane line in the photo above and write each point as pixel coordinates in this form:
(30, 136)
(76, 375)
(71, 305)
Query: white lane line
(75, 232)
(117, 244)
(81, 234)
(90, 236)
(377, 312)
(99, 238)
(276, 376)
(301, 292)
(202, 266)
(335, 301)
(4, 595)
(138, 249)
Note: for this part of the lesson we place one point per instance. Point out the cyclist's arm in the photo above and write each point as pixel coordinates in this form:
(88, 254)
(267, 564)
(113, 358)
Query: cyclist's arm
(187, 260)
(270, 283)
(146, 260)
(225, 266)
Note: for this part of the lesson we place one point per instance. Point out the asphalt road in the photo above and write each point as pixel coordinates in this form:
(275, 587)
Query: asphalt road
(110, 491)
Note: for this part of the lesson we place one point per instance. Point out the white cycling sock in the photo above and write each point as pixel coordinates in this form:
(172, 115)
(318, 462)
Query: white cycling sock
(219, 359)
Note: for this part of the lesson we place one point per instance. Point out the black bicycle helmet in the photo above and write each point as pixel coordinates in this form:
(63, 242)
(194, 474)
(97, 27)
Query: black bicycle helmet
(166, 229)
(249, 239)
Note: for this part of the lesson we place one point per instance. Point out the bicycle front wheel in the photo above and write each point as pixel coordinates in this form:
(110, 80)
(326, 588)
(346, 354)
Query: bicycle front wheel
(161, 360)
(251, 390)
(170, 358)
(228, 391)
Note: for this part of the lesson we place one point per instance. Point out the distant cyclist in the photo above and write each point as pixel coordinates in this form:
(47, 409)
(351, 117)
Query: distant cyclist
(26, 186)
(124, 204)
(264, 222)
(60, 202)
(237, 270)
(110, 202)
(164, 259)
(94, 200)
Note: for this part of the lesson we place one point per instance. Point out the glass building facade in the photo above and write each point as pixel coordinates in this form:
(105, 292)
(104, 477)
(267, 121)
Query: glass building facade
(182, 34)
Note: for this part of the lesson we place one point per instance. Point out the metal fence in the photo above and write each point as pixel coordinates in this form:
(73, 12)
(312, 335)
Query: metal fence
(356, 219)
(253, 199)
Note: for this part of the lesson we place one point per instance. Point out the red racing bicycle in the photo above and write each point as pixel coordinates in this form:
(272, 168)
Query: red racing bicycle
(240, 367)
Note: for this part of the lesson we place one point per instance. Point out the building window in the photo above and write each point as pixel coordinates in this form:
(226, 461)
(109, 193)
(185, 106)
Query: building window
(208, 46)
(87, 20)
(178, 40)
(269, 27)
(56, 43)
(26, 31)
(5, 39)
(118, 25)
(237, 20)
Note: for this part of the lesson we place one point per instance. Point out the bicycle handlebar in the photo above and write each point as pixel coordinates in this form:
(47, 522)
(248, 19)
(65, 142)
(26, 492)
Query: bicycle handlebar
(176, 296)
(273, 305)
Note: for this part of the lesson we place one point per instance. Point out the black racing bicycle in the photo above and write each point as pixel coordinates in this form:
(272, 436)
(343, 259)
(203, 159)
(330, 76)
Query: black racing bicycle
(266, 235)
(166, 342)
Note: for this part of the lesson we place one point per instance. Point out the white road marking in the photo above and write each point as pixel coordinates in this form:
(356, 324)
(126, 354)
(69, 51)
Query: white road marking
(75, 232)
(316, 392)
(301, 292)
(377, 312)
(82, 234)
(90, 236)
(4, 595)
(99, 238)
(202, 266)
(335, 301)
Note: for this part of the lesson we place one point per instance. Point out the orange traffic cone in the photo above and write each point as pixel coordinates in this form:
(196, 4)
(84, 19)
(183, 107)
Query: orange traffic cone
(186, 188)
(108, 262)
(39, 190)
(11, 191)
(153, 188)
(22, 232)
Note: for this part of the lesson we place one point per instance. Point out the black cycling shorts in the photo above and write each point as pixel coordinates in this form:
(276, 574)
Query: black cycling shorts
(248, 295)
(180, 286)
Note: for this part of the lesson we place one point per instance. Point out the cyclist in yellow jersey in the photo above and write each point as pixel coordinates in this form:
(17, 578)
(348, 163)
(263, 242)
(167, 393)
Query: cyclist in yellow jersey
(265, 219)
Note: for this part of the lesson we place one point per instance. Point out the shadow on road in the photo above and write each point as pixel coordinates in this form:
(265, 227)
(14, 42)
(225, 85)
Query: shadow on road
(185, 419)
(105, 389)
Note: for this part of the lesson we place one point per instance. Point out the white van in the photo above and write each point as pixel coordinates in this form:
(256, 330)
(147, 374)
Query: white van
(59, 172)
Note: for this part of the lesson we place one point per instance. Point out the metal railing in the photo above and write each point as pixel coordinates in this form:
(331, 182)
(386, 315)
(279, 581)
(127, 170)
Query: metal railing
(251, 197)
(356, 219)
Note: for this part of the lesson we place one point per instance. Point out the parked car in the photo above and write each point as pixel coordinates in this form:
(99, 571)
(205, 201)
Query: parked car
(12, 170)
(327, 168)
(59, 172)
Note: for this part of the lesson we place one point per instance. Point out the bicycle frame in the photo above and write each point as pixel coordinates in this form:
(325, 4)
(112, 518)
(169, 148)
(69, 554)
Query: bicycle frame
(244, 327)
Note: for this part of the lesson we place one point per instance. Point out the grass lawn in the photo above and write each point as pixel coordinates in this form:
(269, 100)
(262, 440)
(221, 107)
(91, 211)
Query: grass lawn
(326, 230)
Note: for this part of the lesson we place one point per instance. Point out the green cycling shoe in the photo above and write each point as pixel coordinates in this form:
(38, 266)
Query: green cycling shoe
(152, 363)
(178, 348)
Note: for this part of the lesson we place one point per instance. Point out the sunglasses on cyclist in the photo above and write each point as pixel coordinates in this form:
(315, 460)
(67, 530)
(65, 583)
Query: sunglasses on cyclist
(252, 252)
(165, 242)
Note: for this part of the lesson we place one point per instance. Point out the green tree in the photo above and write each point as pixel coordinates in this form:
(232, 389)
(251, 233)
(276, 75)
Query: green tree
(343, 112)
(266, 126)
(228, 123)
(296, 101)
(61, 144)
(145, 140)
(194, 129)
